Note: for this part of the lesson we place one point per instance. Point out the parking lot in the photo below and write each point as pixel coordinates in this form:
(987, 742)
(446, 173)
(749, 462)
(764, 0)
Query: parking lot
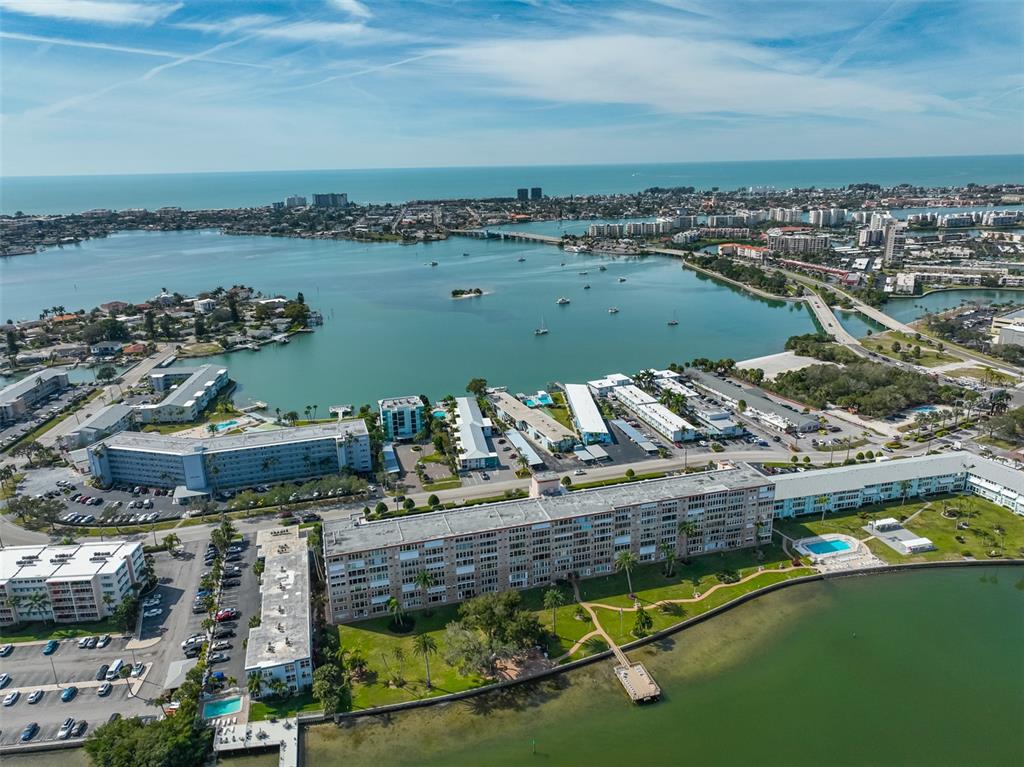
(159, 644)
(47, 410)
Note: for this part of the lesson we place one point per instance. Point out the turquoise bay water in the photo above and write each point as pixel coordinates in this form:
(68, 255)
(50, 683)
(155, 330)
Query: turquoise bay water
(70, 194)
(391, 326)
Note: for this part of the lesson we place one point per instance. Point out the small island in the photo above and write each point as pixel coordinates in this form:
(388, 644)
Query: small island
(466, 292)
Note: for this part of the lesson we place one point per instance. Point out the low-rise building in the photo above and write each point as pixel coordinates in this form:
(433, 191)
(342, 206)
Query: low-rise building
(673, 427)
(188, 392)
(240, 460)
(585, 414)
(471, 433)
(758, 406)
(603, 386)
(531, 542)
(401, 417)
(538, 425)
(20, 398)
(850, 487)
(104, 422)
(1008, 328)
(281, 646)
(77, 583)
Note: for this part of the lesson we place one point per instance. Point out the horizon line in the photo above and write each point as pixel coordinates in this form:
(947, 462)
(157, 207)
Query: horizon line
(523, 165)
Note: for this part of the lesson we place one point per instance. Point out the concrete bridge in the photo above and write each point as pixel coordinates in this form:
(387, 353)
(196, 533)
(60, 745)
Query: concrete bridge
(489, 234)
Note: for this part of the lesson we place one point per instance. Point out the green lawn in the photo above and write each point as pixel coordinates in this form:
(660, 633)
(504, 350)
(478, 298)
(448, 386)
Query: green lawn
(560, 411)
(663, 618)
(980, 539)
(651, 585)
(10, 487)
(265, 709)
(930, 356)
(989, 375)
(444, 484)
(41, 632)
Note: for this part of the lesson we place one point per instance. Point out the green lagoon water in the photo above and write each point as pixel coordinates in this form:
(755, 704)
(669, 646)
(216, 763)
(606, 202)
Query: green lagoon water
(391, 326)
(911, 669)
(920, 668)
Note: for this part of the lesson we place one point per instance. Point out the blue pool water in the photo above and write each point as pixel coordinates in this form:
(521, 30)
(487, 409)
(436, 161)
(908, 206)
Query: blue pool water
(827, 547)
(923, 409)
(225, 425)
(540, 399)
(222, 707)
(440, 414)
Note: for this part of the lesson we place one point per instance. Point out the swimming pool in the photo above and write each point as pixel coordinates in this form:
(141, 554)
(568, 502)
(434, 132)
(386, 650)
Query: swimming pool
(225, 425)
(923, 409)
(828, 547)
(222, 707)
(540, 399)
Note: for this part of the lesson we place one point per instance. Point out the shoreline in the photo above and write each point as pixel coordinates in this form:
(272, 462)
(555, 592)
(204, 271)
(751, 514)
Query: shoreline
(341, 719)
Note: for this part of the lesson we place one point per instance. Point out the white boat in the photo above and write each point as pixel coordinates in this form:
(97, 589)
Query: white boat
(433, 263)
(613, 310)
(586, 287)
(563, 301)
(602, 268)
(542, 330)
(673, 322)
(622, 279)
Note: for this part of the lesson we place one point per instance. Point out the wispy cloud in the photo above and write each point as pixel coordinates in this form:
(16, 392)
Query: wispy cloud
(353, 8)
(133, 50)
(229, 25)
(98, 11)
(349, 32)
(672, 76)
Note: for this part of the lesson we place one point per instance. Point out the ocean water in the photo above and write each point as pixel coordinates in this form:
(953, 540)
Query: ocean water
(71, 194)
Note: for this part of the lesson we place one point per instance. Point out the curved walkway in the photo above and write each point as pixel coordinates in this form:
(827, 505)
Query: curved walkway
(599, 629)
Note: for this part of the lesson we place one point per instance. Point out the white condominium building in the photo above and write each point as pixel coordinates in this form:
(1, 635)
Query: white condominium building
(471, 433)
(219, 463)
(673, 427)
(532, 542)
(189, 391)
(67, 584)
(281, 647)
(18, 399)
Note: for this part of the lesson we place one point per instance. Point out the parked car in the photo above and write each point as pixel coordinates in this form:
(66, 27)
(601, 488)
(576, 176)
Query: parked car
(35, 696)
(104, 689)
(79, 729)
(103, 640)
(6, 650)
(65, 729)
(154, 612)
(138, 669)
(83, 643)
(217, 657)
(223, 633)
(51, 647)
(5, 679)
(222, 645)
(92, 642)
(101, 672)
(11, 698)
(227, 614)
(29, 732)
(69, 694)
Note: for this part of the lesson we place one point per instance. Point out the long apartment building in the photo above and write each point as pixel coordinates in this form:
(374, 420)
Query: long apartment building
(472, 431)
(187, 392)
(221, 463)
(20, 398)
(538, 425)
(67, 584)
(531, 542)
(281, 647)
(766, 411)
(586, 415)
(850, 487)
(673, 427)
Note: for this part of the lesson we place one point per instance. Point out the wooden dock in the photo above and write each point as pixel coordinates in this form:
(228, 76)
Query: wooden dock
(638, 684)
(282, 734)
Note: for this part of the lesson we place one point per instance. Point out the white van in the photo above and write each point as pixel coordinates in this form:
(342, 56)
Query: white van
(114, 672)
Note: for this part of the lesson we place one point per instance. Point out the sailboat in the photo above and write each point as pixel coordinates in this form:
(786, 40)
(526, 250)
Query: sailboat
(603, 268)
(521, 259)
(542, 330)
(613, 310)
(673, 322)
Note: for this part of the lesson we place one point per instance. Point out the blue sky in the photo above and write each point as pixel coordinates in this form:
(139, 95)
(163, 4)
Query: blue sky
(112, 86)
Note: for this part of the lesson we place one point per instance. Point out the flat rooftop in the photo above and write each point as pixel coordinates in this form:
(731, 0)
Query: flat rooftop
(18, 389)
(345, 535)
(75, 562)
(538, 419)
(105, 417)
(399, 402)
(168, 443)
(284, 634)
(196, 384)
(470, 422)
(582, 404)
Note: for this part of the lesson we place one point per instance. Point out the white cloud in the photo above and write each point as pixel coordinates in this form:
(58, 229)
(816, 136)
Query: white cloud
(673, 76)
(227, 26)
(353, 8)
(100, 11)
(351, 32)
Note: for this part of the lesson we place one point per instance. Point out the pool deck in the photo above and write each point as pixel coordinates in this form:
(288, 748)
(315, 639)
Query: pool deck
(240, 738)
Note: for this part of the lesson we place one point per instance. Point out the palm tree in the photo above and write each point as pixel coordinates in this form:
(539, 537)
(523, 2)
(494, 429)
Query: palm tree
(625, 562)
(14, 602)
(553, 599)
(668, 553)
(397, 612)
(171, 540)
(37, 602)
(822, 500)
(904, 490)
(278, 686)
(424, 645)
(255, 685)
(688, 530)
(424, 580)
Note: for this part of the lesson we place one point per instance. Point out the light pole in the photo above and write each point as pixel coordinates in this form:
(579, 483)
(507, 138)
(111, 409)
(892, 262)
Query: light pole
(52, 666)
